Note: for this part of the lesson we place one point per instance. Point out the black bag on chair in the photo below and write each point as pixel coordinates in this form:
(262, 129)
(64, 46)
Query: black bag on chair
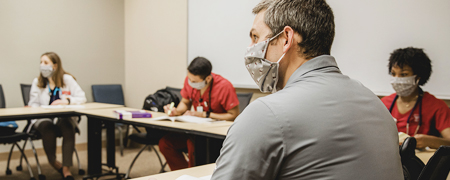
(8, 128)
(157, 101)
(412, 165)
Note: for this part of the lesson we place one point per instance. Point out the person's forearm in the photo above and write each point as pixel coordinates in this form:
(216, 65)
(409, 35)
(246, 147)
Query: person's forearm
(222, 116)
(435, 142)
(181, 109)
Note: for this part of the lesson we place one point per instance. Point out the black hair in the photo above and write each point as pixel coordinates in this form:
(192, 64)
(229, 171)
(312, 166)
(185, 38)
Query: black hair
(414, 58)
(200, 66)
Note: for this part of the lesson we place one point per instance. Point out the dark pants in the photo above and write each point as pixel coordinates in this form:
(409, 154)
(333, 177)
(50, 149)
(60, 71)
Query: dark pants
(50, 131)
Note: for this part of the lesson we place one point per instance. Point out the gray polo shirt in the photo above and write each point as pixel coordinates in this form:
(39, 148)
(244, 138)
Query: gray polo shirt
(322, 125)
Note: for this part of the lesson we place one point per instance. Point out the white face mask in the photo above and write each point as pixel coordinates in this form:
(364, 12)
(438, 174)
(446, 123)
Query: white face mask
(47, 70)
(263, 72)
(404, 86)
(198, 85)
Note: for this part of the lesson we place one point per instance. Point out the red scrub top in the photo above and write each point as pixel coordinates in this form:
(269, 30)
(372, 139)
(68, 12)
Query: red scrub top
(435, 116)
(223, 95)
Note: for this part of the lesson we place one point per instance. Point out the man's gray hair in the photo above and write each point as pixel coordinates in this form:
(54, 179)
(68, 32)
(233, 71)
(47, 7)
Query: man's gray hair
(312, 19)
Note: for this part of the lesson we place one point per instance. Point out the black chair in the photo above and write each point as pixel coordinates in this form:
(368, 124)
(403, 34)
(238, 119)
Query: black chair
(112, 94)
(2, 98)
(34, 135)
(244, 100)
(13, 138)
(176, 91)
(150, 138)
(26, 88)
(412, 165)
(438, 166)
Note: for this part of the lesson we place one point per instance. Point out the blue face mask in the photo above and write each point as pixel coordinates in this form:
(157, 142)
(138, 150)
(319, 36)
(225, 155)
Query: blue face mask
(198, 85)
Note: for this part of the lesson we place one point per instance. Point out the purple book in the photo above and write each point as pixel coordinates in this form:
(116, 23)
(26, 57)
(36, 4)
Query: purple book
(121, 114)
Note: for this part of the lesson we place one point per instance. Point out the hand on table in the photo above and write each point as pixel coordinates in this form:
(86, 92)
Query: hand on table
(60, 102)
(422, 140)
(193, 113)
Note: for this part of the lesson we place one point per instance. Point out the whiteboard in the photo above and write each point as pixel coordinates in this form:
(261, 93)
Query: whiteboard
(367, 32)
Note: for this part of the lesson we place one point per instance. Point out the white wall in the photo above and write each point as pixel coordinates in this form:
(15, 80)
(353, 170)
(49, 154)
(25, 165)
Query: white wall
(87, 35)
(155, 47)
(367, 31)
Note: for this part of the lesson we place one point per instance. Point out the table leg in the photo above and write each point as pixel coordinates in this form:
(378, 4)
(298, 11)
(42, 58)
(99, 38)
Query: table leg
(110, 144)
(207, 150)
(200, 143)
(94, 146)
(213, 148)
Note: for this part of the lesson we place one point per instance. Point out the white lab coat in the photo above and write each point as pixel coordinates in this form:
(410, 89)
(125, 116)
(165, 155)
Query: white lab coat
(40, 96)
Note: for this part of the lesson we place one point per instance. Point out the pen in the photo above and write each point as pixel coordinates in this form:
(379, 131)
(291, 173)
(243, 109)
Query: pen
(170, 108)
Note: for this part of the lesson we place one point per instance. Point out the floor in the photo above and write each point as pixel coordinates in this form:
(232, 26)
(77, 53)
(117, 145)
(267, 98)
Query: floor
(147, 164)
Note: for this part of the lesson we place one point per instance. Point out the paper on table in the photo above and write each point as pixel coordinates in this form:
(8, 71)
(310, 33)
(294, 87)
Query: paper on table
(190, 119)
(62, 106)
(187, 177)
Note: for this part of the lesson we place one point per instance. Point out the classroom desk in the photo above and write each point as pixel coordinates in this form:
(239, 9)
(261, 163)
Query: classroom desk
(206, 170)
(198, 171)
(425, 155)
(22, 113)
(208, 137)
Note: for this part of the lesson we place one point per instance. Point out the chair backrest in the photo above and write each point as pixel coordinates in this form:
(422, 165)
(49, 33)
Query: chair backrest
(438, 166)
(2, 98)
(412, 165)
(25, 88)
(176, 91)
(108, 93)
(244, 100)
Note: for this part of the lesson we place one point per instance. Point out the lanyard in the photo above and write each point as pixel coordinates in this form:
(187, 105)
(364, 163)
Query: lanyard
(418, 102)
(200, 100)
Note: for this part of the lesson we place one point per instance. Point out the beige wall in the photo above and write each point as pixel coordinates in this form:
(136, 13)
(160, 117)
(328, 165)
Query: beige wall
(155, 47)
(88, 35)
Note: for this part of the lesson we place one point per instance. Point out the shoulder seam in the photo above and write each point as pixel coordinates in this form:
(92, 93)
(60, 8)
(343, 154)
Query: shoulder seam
(279, 125)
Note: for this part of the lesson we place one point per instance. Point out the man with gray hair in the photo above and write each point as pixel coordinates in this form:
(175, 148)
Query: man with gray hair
(317, 123)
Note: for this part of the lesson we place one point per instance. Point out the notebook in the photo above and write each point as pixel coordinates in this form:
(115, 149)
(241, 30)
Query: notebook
(190, 119)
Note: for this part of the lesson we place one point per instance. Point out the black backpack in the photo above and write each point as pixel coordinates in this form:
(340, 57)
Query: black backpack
(157, 101)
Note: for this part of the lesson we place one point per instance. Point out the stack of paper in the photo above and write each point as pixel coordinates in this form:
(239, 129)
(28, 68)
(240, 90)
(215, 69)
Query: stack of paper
(187, 177)
(190, 119)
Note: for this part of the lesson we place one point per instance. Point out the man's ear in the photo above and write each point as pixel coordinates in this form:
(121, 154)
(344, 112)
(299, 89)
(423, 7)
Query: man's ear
(289, 38)
(208, 78)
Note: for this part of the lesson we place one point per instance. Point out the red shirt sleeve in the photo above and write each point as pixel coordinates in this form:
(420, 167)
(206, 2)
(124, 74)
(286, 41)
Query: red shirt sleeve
(229, 97)
(442, 116)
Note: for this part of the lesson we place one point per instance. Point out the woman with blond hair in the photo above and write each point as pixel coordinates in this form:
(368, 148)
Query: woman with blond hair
(54, 86)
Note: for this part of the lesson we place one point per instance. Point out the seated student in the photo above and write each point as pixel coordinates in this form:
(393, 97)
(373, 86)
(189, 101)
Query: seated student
(54, 86)
(318, 123)
(416, 113)
(211, 96)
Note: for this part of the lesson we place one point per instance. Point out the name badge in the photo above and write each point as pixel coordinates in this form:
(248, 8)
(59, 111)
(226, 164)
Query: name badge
(199, 108)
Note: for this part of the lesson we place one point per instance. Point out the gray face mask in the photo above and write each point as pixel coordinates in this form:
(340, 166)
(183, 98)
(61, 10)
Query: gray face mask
(404, 86)
(47, 70)
(263, 72)
(198, 85)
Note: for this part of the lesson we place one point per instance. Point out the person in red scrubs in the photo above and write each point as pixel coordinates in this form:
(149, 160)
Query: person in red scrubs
(417, 113)
(211, 96)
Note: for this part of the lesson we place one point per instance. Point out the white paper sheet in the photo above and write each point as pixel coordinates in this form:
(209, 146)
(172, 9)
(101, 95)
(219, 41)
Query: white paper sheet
(190, 119)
